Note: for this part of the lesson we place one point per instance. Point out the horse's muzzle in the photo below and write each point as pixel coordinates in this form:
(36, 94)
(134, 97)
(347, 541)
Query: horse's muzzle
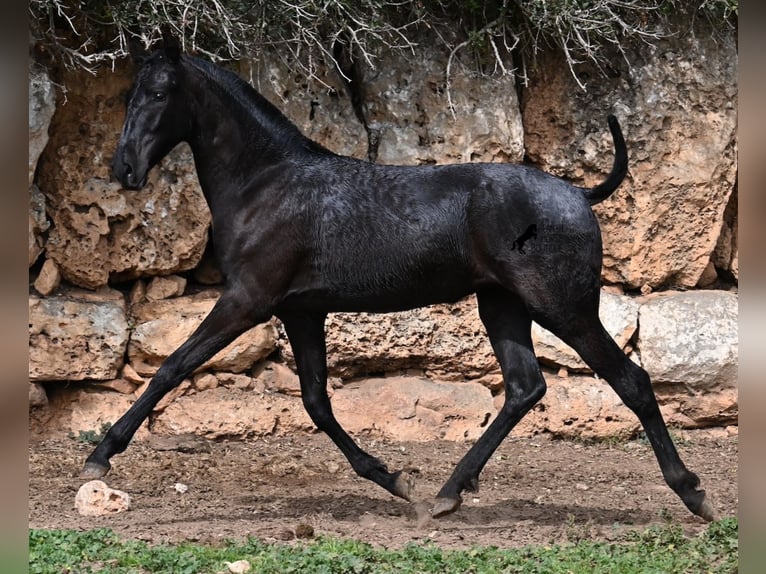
(127, 174)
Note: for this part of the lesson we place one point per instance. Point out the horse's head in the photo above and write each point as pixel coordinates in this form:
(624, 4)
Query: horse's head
(156, 118)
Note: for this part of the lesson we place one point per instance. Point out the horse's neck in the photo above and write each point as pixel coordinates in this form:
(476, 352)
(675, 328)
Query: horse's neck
(230, 142)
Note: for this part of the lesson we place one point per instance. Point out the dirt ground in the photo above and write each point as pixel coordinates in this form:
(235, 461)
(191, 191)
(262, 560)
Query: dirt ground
(533, 491)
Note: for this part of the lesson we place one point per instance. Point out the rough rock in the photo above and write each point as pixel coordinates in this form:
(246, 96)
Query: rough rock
(129, 374)
(726, 253)
(402, 113)
(236, 381)
(232, 413)
(49, 278)
(42, 105)
(37, 395)
(78, 409)
(165, 287)
(686, 408)
(168, 399)
(277, 378)
(117, 385)
(321, 107)
(691, 338)
(447, 340)
(709, 276)
(578, 406)
(409, 408)
(398, 408)
(103, 234)
(100, 232)
(619, 314)
(162, 326)
(406, 108)
(95, 498)
(677, 106)
(405, 408)
(587, 407)
(204, 381)
(38, 223)
(76, 336)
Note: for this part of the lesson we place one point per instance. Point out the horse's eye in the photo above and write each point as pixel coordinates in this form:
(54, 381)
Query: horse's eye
(159, 96)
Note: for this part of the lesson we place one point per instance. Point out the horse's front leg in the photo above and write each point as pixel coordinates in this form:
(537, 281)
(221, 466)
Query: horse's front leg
(225, 322)
(307, 339)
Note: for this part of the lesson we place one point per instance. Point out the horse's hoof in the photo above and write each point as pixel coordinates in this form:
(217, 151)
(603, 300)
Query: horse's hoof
(94, 470)
(404, 485)
(445, 506)
(706, 510)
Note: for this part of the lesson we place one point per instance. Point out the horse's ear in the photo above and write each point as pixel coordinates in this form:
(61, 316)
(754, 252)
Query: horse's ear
(170, 45)
(137, 51)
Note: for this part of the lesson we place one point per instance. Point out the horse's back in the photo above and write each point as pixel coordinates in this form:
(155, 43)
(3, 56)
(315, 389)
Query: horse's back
(385, 238)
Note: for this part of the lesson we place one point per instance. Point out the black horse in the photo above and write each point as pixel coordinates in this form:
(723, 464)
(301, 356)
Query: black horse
(300, 232)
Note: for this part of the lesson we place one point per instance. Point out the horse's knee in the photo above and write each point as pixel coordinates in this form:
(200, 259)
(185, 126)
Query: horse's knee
(318, 407)
(635, 390)
(522, 400)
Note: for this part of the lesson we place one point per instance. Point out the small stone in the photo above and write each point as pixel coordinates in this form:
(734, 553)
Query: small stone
(238, 567)
(180, 487)
(165, 287)
(49, 278)
(234, 381)
(285, 534)
(708, 277)
(278, 378)
(205, 381)
(304, 530)
(95, 498)
(130, 375)
(171, 396)
(119, 385)
(137, 293)
(37, 395)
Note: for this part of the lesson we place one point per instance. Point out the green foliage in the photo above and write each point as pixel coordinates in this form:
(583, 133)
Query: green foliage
(657, 550)
(92, 436)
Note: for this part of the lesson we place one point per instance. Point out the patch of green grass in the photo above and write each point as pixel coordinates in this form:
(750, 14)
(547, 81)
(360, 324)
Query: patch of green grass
(662, 549)
(91, 436)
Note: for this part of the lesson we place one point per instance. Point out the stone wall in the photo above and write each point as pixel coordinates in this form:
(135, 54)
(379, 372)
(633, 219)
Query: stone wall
(118, 279)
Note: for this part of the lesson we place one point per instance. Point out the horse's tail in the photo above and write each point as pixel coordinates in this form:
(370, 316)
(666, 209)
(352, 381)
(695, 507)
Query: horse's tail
(619, 167)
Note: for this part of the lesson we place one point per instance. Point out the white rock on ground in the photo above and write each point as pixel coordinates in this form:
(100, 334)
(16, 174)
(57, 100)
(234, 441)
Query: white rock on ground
(95, 498)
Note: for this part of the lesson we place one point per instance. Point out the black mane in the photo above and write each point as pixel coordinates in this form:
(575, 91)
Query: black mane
(253, 104)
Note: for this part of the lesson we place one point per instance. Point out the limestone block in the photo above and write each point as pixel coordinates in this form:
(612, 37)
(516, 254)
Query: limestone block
(407, 109)
(619, 314)
(691, 338)
(677, 105)
(101, 233)
(76, 336)
(162, 326)
(447, 340)
(42, 105)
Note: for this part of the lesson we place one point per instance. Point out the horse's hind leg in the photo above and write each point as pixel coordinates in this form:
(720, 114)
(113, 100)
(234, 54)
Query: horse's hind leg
(307, 339)
(586, 335)
(508, 325)
(224, 323)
